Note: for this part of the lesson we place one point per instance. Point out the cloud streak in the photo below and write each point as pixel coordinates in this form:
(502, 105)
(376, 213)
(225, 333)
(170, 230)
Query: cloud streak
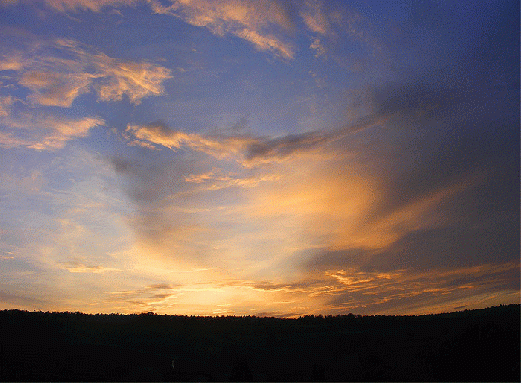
(270, 26)
(59, 71)
(45, 132)
(377, 172)
(253, 21)
(247, 150)
(91, 5)
(75, 267)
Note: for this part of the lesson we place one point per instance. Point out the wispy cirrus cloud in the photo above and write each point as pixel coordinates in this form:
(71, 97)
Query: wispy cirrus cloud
(91, 5)
(58, 71)
(5, 105)
(44, 131)
(76, 267)
(216, 180)
(332, 291)
(258, 22)
(76, 5)
(248, 150)
(269, 25)
(315, 18)
(407, 290)
(158, 133)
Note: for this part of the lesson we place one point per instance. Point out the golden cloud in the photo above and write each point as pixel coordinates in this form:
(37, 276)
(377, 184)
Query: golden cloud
(219, 147)
(59, 71)
(5, 105)
(81, 268)
(45, 132)
(91, 5)
(254, 21)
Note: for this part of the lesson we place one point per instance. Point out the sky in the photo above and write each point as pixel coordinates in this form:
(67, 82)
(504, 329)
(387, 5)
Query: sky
(256, 157)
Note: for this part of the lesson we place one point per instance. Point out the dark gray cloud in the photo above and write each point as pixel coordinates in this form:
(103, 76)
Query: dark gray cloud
(323, 259)
(21, 301)
(161, 286)
(448, 247)
(151, 184)
(283, 147)
(456, 127)
(122, 165)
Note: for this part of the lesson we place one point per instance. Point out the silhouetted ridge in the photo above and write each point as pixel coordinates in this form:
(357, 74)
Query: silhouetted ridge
(470, 345)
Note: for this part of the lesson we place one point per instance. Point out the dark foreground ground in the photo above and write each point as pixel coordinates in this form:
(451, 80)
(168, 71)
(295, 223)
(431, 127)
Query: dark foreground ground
(476, 345)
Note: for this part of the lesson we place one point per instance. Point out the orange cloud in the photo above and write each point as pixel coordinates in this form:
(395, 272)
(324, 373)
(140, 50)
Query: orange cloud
(314, 17)
(91, 5)
(45, 132)
(157, 133)
(59, 71)
(254, 21)
(81, 268)
(55, 89)
(5, 105)
(215, 180)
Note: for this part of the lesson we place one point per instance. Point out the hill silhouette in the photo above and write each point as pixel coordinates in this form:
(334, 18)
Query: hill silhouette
(470, 345)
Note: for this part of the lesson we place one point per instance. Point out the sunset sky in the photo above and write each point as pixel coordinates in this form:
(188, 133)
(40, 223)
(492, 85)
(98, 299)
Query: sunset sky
(255, 157)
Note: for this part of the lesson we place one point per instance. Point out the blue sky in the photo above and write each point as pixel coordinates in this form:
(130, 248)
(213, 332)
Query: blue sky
(259, 157)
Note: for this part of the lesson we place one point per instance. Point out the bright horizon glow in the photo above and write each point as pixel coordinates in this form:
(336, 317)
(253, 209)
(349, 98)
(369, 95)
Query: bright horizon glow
(265, 158)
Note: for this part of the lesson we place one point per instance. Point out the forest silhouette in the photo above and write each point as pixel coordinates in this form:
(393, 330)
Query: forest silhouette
(470, 345)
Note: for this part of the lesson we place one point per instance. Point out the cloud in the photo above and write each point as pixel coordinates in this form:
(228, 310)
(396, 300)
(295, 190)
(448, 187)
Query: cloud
(336, 291)
(55, 89)
(276, 149)
(91, 5)
(5, 105)
(247, 150)
(12, 61)
(318, 47)
(75, 267)
(76, 5)
(45, 132)
(16, 301)
(216, 180)
(259, 22)
(156, 188)
(53, 134)
(267, 24)
(158, 133)
(429, 291)
(314, 17)
(160, 286)
(59, 71)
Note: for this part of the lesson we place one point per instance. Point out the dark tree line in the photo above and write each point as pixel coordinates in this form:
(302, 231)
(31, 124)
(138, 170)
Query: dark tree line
(475, 345)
